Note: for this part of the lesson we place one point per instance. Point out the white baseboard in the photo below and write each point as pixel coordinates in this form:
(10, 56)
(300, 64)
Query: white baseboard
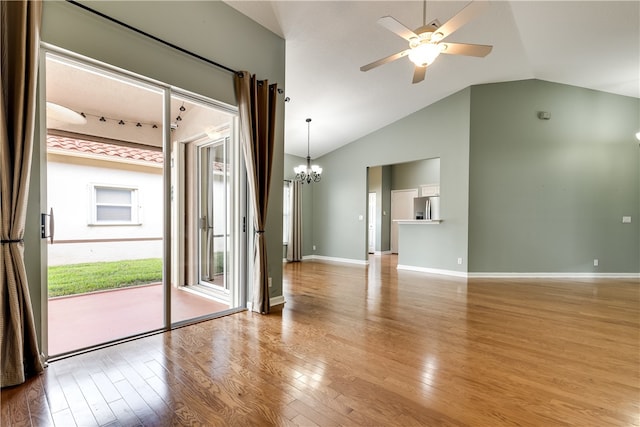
(334, 259)
(275, 301)
(554, 275)
(432, 270)
(502, 275)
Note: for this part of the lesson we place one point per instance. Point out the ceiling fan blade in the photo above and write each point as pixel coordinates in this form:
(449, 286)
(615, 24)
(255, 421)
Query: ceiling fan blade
(391, 24)
(465, 15)
(479, 50)
(418, 74)
(384, 60)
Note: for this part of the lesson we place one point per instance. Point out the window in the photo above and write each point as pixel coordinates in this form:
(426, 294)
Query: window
(286, 212)
(114, 205)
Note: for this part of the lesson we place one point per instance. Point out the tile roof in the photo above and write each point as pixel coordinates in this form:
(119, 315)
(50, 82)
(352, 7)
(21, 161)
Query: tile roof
(103, 149)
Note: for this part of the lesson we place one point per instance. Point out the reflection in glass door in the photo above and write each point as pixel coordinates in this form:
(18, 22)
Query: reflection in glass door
(214, 226)
(206, 239)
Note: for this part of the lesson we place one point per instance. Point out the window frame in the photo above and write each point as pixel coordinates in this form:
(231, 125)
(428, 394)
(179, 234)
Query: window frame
(93, 204)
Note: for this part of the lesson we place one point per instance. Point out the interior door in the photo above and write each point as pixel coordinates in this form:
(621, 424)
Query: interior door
(401, 208)
(372, 219)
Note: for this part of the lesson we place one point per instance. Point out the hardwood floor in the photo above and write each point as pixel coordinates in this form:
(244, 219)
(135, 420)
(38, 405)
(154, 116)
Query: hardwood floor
(369, 346)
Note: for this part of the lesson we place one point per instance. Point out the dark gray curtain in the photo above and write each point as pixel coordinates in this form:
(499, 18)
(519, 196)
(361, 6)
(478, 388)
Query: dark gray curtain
(294, 246)
(19, 46)
(257, 110)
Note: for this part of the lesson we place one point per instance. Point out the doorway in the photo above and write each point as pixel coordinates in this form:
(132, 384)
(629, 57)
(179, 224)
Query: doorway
(372, 221)
(117, 194)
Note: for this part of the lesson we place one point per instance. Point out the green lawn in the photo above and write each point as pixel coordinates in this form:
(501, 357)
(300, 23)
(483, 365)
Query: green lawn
(80, 278)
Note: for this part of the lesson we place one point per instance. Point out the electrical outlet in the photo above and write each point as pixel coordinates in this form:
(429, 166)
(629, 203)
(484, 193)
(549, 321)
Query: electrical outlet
(459, 261)
(270, 281)
(595, 262)
(626, 220)
(314, 247)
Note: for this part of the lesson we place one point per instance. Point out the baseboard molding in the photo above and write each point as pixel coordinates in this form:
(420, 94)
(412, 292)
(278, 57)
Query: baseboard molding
(380, 253)
(334, 259)
(276, 301)
(432, 270)
(473, 275)
(554, 275)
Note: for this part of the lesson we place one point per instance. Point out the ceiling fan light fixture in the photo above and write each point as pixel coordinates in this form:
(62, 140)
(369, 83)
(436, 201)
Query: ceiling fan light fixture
(437, 36)
(424, 54)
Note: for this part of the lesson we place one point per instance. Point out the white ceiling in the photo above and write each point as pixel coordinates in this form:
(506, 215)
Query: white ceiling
(590, 44)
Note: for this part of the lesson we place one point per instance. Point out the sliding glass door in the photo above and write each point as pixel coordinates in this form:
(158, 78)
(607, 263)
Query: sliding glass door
(114, 192)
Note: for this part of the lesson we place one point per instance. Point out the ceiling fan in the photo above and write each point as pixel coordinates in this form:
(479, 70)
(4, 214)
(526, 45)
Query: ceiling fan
(425, 43)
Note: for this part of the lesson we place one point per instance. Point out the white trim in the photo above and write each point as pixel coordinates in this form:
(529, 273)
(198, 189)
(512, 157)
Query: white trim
(432, 270)
(329, 258)
(275, 301)
(556, 275)
(573, 275)
(417, 221)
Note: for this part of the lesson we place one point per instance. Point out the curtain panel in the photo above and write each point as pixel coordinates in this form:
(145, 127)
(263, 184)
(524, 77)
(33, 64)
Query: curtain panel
(294, 247)
(257, 111)
(20, 38)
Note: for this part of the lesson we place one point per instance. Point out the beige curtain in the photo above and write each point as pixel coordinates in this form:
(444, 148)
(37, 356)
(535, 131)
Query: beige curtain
(20, 37)
(257, 109)
(294, 246)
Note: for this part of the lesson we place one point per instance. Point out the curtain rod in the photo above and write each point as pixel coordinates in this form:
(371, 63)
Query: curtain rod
(151, 36)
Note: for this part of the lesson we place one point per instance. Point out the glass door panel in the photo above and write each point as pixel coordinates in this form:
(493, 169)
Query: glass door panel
(214, 233)
(105, 187)
(202, 183)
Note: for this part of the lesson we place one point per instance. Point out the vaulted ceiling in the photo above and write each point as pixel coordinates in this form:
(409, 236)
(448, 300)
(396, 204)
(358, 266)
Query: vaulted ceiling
(592, 44)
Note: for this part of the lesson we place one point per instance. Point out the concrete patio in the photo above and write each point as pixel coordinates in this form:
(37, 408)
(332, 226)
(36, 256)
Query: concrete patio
(86, 320)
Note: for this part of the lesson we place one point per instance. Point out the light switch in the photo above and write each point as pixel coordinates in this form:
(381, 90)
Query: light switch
(360, 217)
(626, 220)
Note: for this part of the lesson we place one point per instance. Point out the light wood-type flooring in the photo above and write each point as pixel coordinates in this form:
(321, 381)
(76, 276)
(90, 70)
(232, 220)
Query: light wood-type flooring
(369, 346)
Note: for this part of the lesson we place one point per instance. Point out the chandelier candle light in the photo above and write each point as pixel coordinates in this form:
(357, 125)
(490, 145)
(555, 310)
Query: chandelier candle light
(308, 173)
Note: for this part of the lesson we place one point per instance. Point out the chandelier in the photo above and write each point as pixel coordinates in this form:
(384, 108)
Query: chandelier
(308, 173)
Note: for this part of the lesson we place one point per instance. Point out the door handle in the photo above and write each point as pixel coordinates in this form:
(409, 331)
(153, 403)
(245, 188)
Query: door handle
(43, 226)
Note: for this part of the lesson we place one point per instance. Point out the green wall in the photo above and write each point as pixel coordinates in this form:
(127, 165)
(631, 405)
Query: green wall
(549, 195)
(440, 130)
(414, 174)
(202, 27)
(518, 194)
